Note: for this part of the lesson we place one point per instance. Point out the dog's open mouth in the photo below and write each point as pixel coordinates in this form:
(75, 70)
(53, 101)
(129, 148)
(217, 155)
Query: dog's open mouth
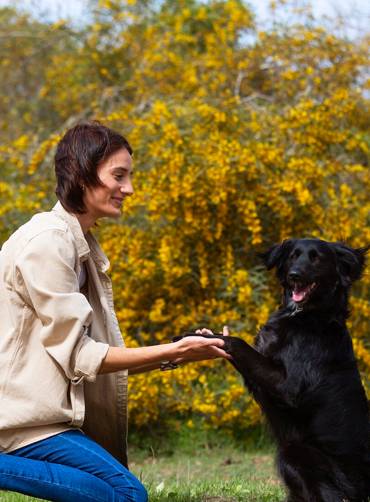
(300, 293)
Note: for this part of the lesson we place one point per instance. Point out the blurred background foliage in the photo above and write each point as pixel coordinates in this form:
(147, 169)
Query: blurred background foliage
(242, 137)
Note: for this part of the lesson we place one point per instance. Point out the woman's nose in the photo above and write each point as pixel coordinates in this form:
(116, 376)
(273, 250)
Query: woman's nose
(127, 189)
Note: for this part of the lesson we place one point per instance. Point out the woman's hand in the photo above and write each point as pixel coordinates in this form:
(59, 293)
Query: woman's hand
(205, 331)
(197, 348)
(139, 359)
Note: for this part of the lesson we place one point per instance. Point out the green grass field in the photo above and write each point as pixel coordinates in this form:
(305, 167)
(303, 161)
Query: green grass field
(201, 473)
(220, 474)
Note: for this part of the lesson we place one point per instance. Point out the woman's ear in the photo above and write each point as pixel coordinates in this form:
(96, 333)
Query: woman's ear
(277, 254)
(351, 261)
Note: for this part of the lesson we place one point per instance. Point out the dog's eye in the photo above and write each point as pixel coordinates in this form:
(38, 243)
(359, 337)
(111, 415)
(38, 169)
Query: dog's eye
(313, 255)
(296, 253)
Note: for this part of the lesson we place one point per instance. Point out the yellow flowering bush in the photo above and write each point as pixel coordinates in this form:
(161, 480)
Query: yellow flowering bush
(241, 138)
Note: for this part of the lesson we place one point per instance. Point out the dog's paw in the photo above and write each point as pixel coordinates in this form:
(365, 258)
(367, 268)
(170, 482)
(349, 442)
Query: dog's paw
(193, 333)
(177, 338)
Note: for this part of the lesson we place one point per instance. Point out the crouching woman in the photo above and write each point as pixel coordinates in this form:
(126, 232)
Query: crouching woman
(63, 363)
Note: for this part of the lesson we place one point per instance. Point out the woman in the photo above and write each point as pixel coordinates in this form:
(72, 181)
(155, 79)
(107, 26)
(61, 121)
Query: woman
(63, 364)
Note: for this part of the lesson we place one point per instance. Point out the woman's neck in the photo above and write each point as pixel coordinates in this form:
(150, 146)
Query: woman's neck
(86, 221)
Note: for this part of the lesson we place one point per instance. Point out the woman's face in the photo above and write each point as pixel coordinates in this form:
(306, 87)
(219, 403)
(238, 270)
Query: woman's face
(115, 173)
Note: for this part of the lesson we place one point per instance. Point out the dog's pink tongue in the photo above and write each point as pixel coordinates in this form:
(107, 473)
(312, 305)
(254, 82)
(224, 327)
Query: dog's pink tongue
(299, 295)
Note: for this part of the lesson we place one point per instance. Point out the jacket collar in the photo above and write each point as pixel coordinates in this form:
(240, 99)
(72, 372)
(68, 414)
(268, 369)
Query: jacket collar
(86, 244)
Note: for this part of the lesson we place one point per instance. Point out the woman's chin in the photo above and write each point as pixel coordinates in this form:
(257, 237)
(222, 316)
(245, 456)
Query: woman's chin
(115, 213)
(111, 212)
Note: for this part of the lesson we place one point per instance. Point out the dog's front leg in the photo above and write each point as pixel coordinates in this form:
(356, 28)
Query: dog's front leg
(255, 368)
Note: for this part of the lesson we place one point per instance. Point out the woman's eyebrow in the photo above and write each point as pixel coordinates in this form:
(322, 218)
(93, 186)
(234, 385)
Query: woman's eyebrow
(122, 168)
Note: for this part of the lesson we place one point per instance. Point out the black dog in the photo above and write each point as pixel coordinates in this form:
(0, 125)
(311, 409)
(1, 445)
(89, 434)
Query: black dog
(303, 373)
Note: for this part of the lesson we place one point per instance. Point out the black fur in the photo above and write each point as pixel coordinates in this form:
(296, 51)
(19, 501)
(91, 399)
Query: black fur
(303, 373)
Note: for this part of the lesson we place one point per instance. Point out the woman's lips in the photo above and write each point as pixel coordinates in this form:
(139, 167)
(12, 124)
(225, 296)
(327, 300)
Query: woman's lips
(118, 199)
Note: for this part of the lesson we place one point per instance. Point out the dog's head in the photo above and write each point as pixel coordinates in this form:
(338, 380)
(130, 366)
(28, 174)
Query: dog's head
(314, 272)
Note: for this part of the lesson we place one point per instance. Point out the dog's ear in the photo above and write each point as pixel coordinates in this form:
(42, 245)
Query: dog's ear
(277, 254)
(351, 261)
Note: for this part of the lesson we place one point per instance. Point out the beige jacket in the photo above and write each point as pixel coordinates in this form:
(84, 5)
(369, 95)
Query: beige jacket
(53, 338)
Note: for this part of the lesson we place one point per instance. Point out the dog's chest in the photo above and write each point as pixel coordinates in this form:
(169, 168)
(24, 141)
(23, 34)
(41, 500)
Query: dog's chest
(291, 344)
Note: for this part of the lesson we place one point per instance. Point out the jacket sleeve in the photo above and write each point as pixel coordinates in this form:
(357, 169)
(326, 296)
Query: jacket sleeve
(45, 277)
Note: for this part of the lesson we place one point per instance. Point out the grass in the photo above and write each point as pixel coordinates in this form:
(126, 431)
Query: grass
(220, 474)
(199, 469)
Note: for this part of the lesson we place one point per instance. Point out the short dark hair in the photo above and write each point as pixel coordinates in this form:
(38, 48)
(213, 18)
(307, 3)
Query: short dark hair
(77, 158)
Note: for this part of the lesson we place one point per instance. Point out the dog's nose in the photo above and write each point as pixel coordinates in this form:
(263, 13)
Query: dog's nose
(294, 275)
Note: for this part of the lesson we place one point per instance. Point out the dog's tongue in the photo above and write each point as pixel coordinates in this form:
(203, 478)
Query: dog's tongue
(299, 294)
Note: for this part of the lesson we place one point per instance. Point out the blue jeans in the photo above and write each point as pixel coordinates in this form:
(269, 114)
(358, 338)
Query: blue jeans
(69, 467)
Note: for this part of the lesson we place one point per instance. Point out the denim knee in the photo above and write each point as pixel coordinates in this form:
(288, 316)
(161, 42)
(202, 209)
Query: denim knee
(142, 494)
(138, 493)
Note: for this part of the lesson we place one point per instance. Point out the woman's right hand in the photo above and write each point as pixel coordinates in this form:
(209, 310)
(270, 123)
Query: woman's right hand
(198, 348)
